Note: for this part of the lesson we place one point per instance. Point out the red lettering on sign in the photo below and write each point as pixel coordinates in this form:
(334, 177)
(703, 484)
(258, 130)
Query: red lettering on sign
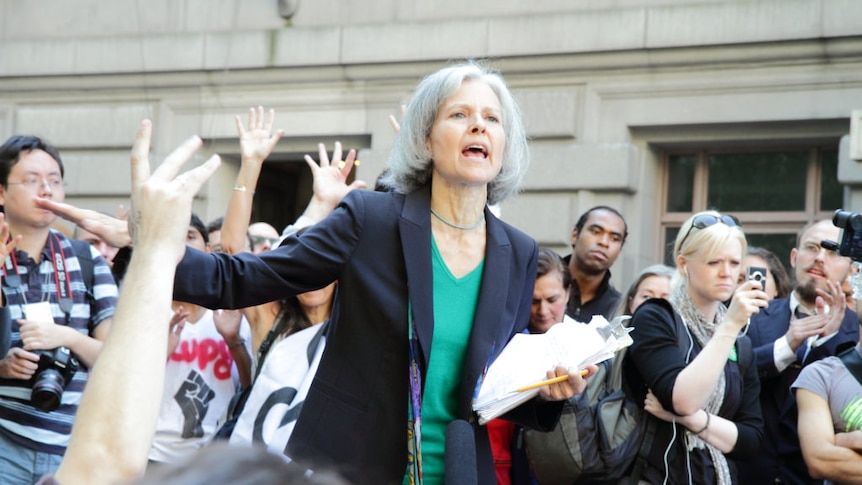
(205, 352)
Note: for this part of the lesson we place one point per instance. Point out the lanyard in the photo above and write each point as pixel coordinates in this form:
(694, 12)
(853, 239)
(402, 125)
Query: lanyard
(12, 280)
(62, 282)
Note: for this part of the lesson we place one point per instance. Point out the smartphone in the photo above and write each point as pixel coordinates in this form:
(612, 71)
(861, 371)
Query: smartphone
(756, 273)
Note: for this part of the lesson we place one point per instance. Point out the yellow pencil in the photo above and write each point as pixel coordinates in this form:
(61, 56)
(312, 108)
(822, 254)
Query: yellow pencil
(547, 382)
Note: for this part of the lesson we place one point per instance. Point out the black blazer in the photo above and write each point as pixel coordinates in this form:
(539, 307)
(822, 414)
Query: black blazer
(378, 247)
(780, 454)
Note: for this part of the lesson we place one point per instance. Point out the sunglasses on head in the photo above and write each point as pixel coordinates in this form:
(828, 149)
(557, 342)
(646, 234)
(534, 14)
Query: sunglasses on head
(703, 221)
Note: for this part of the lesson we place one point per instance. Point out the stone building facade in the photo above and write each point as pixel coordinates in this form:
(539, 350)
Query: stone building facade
(656, 107)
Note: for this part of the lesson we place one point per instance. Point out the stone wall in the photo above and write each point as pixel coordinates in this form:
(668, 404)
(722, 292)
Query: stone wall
(604, 85)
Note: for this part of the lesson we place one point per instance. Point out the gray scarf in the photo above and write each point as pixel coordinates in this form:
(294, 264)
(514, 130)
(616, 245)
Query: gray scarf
(702, 332)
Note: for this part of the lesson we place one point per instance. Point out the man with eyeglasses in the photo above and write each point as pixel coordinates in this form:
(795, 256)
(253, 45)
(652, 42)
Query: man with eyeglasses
(791, 333)
(263, 237)
(50, 315)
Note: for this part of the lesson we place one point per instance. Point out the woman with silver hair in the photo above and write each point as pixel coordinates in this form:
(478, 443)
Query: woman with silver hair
(431, 287)
(706, 399)
(652, 282)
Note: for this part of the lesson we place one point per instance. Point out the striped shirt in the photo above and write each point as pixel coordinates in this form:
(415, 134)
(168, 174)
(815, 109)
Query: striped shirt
(19, 420)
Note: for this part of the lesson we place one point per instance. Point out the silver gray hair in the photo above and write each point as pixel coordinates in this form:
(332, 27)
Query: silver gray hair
(409, 160)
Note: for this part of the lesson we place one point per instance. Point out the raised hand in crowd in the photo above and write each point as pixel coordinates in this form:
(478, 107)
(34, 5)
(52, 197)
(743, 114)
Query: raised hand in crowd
(748, 299)
(6, 249)
(330, 181)
(827, 320)
(114, 230)
(396, 125)
(178, 321)
(831, 304)
(256, 141)
(117, 416)
(227, 323)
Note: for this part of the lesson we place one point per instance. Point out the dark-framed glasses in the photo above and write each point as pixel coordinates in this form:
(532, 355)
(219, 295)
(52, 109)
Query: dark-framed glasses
(258, 240)
(703, 221)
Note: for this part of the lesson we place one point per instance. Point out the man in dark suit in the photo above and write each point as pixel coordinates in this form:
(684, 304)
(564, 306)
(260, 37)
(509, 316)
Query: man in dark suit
(791, 333)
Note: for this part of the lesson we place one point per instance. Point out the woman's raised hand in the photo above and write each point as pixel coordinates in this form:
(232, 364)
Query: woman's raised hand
(257, 140)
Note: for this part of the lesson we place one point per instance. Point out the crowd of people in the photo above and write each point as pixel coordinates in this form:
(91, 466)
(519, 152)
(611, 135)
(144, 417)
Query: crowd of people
(342, 349)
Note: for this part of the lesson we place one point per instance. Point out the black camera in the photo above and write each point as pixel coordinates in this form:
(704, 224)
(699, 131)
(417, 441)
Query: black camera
(55, 372)
(756, 273)
(850, 224)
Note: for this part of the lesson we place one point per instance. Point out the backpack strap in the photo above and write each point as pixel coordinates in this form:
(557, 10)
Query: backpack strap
(684, 339)
(853, 362)
(744, 353)
(685, 342)
(644, 450)
(85, 260)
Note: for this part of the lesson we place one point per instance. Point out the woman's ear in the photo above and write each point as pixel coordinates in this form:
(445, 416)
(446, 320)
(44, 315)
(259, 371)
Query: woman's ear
(680, 265)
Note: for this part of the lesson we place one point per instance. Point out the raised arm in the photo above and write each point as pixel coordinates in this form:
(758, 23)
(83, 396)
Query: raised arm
(329, 186)
(114, 230)
(116, 420)
(695, 383)
(256, 143)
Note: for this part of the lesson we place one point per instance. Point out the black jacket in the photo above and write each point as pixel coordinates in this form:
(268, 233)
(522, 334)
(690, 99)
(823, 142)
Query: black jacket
(605, 303)
(378, 246)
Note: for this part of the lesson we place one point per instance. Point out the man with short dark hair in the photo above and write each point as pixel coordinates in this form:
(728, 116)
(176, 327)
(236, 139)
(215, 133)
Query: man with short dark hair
(106, 250)
(51, 313)
(214, 234)
(597, 239)
(787, 336)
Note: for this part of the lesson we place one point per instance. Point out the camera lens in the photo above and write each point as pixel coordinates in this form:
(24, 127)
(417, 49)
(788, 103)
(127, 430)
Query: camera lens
(48, 390)
(840, 218)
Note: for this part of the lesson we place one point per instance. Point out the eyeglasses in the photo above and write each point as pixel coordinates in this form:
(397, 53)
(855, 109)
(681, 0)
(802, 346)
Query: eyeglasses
(34, 183)
(703, 221)
(257, 240)
(815, 249)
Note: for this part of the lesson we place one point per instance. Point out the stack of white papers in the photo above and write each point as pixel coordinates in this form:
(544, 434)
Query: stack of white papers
(527, 358)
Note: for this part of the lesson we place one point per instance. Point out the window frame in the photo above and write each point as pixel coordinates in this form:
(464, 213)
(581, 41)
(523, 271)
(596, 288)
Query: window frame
(754, 222)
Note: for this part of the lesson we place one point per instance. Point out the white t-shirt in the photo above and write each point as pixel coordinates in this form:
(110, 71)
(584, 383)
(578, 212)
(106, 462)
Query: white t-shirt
(200, 380)
(277, 396)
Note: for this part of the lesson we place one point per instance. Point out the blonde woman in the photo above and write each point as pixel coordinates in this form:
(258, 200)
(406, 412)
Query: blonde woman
(706, 402)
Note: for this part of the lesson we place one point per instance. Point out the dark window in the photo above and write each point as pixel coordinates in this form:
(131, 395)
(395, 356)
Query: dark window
(774, 193)
(681, 183)
(757, 181)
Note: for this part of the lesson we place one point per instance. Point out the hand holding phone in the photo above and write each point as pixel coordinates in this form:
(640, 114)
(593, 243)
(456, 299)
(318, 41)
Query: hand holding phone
(756, 273)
